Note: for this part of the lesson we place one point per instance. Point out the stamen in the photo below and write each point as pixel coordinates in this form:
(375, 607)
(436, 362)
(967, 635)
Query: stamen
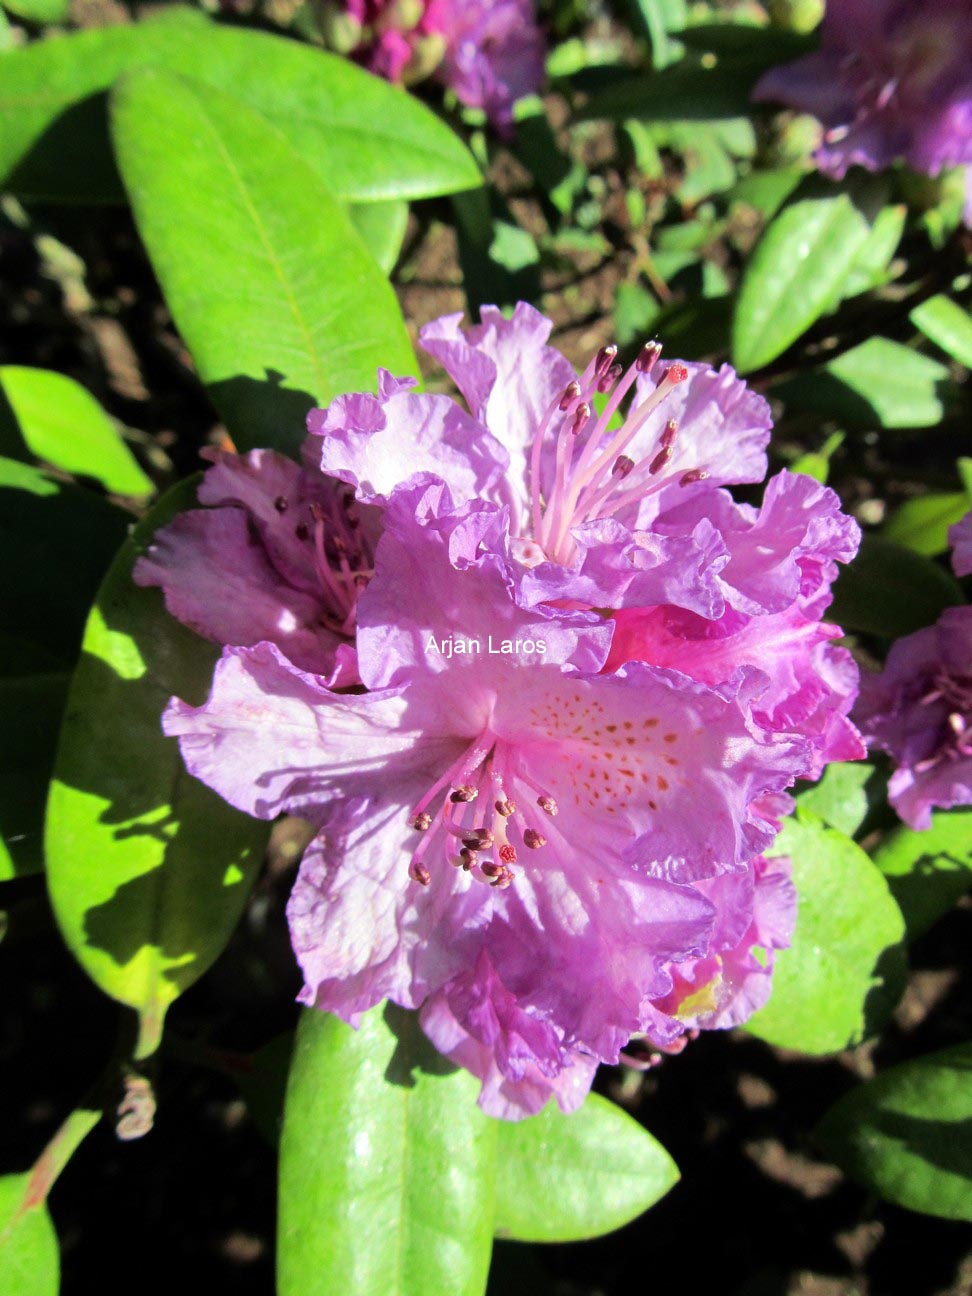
(571, 393)
(422, 822)
(533, 839)
(419, 873)
(660, 460)
(280, 504)
(463, 793)
(548, 804)
(692, 476)
(505, 808)
(622, 467)
(604, 360)
(647, 357)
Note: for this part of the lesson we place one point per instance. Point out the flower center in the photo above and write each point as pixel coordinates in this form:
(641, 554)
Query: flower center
(599, 478)
(954, 694)
(341, 555)
(469, 816)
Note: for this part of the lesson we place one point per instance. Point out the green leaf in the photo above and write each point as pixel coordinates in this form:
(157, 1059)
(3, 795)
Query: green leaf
(222, 200)
(922, 524)
(688, 91)
(948, 325)
(564, 1178)
(386, 1165)
(907, 1134)
(877, 384)
(147, 869)
(56, 420)
(840, 798)
(57, 542)
(846, 965)
(928, 871)
(39, 11)
(29, 1261)
(796, 274)
(367, 140)
(871, 267)
(767, 191)
(889, 590)
(381, 226)
(30, 719)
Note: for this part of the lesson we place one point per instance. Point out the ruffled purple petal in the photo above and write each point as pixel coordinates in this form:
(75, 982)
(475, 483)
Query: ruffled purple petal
(378, 443)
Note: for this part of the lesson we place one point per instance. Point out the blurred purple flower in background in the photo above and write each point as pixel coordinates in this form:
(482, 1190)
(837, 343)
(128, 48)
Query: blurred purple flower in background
(892, 79)
(490, 53)
(918, 709)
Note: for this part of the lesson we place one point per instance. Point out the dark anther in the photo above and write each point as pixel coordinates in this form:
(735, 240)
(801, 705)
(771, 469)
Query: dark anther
(301, 531)
(280, 504)
(463, 793)
(660, 460)
(422, 822)
(571, 392)
(533, 839)
(647, 356)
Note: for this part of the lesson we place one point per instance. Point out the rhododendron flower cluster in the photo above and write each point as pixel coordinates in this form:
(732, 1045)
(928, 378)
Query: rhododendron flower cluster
(490, 53)
(892, 79)
(918, 709)
(585, 677)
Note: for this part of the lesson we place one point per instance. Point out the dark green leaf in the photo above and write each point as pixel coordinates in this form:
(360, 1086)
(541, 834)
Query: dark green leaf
(367, 140)
(57, 542)
(907, 1134)
(948, 325)
(222, 200)
(381, 226)
(30, 719)
(877, 384)
(29, 1261)
(386, 1165)
(563, 1178)
(56, 420)
(928, 871)
(147, 870)
(840, 798)
(846, 966)
(889, 590)
(922, 524)
(796, 274)
(687, 91)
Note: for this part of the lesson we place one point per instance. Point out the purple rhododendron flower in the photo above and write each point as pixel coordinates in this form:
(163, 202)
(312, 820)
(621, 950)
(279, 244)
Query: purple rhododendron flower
(540, 804)
(490, 53)
(588, 678)
(918, 709)
(280, 556)
(960, 538)
(892, 79)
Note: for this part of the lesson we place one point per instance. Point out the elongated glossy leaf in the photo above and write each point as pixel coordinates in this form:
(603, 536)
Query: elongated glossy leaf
(890, 590)
(277, 298)
(147, 869)
(948, 325)
(877, 384)
(562, 1178)
(845, 966)
(39, 11)
(57, 542)
(386, 1165)
(381, 226)
(55, 419)
(922, 524)
(840, 798)
(795, 275)
(928, 871)
(871, 267)
(907, 1134)
(366, 139)
(29, 1261)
